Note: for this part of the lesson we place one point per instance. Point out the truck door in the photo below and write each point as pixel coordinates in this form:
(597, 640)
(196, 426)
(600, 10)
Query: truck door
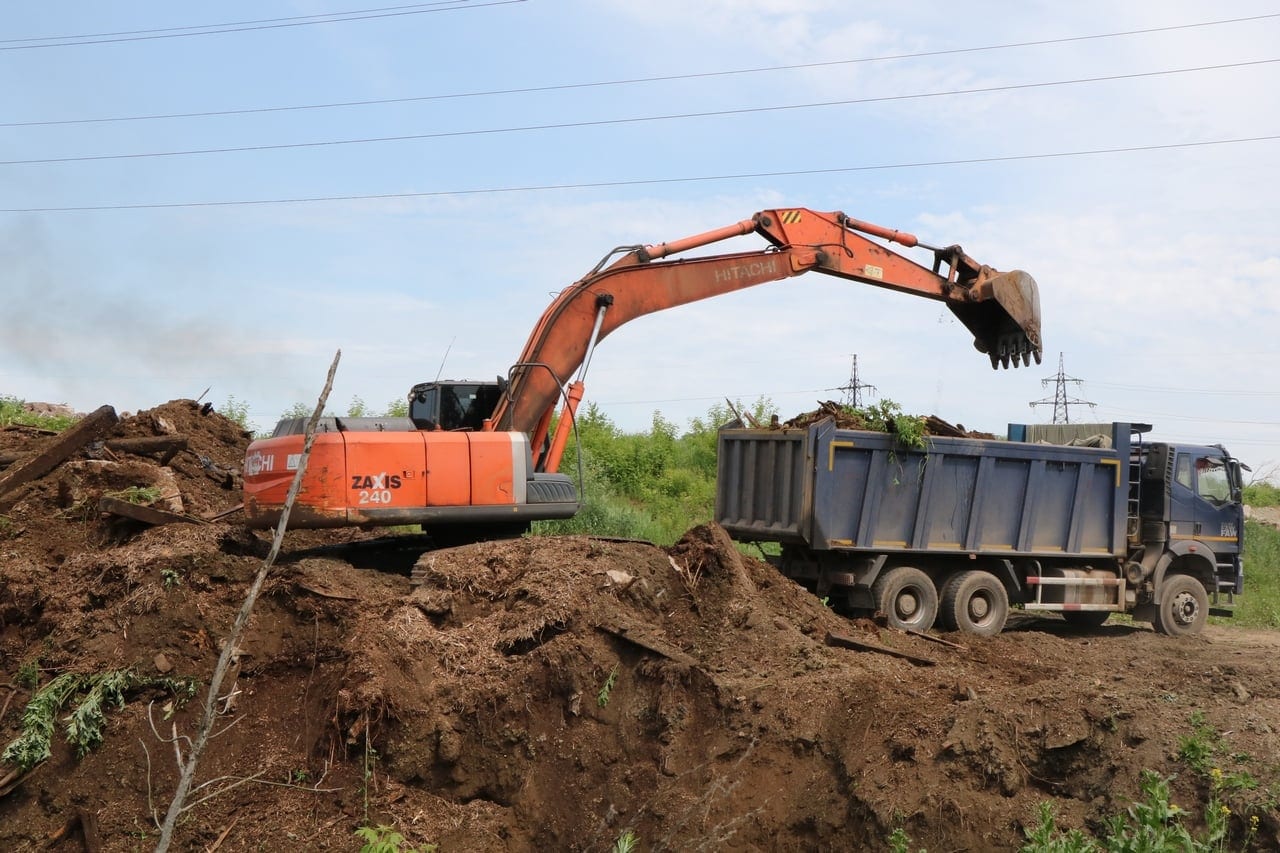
(1202, 506)
(1217, 516)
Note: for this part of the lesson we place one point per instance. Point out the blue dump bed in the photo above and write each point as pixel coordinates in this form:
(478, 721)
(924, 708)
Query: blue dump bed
(832, 489)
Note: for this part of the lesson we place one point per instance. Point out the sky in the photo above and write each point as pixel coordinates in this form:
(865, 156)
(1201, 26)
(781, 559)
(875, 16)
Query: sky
(220, 197)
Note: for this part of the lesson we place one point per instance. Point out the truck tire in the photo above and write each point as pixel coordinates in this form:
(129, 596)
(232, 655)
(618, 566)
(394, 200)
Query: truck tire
(907, 598)
(975, 602)
(1184, 606)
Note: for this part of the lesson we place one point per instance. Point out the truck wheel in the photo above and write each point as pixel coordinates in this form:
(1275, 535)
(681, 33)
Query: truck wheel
(975, 602)
(1086, 618)
(1184, 606)
(907, 598)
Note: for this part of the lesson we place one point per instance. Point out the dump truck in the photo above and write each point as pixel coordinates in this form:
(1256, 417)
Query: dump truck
(956, 532)
(477, 460)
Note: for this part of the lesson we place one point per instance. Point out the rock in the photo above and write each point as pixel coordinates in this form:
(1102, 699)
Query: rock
(620, 579)
(163, 666)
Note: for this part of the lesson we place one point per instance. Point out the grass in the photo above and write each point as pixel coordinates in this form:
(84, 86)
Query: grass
(13, 412)
(1259, 605)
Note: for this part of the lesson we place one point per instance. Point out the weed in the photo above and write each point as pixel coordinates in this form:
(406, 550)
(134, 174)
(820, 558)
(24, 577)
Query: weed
(141, 495)
(1046, 838)
(628, 842)
(1154, 823)
(900, 842)
(602, 698)
(8, 529)
(28, 674)
(385, 839)
(170, 578)
(1198, 748)
(237, 411)
(84, 727)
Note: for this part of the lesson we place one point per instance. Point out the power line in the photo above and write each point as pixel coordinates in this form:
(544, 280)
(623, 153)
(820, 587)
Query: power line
(449, 134)
(627, 81)
(1157, 389)
(648, 181)
(245, 26)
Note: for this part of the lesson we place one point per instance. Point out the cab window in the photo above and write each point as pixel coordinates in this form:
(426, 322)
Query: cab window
(1211, 480)
(1182, 473)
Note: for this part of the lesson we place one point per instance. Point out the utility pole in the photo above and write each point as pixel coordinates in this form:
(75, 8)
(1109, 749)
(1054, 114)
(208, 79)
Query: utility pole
(1060, 401)
(853, 388)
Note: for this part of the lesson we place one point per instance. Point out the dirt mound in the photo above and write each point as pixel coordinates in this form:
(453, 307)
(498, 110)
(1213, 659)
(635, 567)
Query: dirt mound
(554, 693)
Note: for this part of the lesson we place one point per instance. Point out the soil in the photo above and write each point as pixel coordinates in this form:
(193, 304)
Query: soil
(552, 693)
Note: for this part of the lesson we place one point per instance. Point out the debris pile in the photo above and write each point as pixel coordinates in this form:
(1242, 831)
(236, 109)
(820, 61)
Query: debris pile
(846, 417)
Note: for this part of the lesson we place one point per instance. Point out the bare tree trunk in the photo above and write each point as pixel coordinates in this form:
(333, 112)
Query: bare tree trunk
(229, 647)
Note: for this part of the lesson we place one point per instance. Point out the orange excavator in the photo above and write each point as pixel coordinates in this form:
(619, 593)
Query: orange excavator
(478, 460)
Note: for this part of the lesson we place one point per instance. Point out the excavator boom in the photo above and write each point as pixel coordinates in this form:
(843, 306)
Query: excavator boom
(466, 477)
(1001, 310)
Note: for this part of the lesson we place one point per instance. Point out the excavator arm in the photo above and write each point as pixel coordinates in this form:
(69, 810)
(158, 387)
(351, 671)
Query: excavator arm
(1001, 310)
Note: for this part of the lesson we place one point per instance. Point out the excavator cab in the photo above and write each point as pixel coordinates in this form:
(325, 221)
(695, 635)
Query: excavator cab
(453, 405)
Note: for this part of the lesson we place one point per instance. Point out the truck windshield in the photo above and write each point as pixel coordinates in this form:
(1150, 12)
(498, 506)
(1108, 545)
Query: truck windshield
(1211, 479)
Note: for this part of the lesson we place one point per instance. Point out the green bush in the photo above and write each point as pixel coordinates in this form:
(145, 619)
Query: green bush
(13, 411)
(651, 485)
(1262, 494)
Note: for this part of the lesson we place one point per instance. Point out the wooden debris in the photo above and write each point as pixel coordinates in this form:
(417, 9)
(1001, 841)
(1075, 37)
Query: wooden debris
(221, 514)
(934, 639)
(145, 514)
(642, 638)
(935, 425)
(166, 446)
(12, 780)
(323, 593)
(223, 835)
(834, 639)
(60, 449)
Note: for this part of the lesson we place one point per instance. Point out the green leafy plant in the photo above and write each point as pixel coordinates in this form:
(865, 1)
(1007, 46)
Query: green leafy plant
(93, 694)
(602, 698)
(900, 842)
(1150, 825)
(170, 578)
(1262, 494)
(628, 842)
(236, 410)
(28, 674)
(385, 839)
(141, 495)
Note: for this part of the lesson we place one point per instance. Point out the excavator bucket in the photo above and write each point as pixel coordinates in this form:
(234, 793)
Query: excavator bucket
(1004, 318)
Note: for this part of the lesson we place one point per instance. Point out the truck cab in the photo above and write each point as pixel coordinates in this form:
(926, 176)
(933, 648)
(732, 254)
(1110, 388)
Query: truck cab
(1189, 499)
